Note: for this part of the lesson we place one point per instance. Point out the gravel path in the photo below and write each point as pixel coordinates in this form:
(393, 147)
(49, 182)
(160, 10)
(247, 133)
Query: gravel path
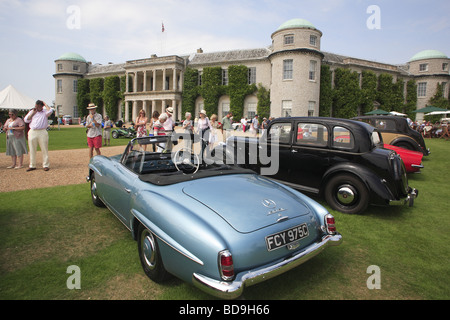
(66, 167)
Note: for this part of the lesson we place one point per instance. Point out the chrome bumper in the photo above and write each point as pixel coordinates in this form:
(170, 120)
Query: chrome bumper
(234, 289)
(412, 195)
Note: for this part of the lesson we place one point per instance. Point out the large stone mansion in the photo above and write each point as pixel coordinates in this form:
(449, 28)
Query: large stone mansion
(289, 68)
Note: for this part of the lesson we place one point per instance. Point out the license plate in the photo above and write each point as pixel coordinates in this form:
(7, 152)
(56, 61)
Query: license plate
(283, 238)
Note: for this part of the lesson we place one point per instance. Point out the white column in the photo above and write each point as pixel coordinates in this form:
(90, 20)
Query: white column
(127, 111)
(164, 79)
(127, 82)
(153, 107)
(135, 82)
(144, 106)
(135, 111)
(154, 80)
(174, 79)
(181, 80)
(145, 81)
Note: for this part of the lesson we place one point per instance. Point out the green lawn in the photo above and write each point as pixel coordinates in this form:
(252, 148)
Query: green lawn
(68, 137)
(43, 232)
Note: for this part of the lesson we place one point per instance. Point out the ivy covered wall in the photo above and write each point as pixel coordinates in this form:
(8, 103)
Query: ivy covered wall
(212, 89)
(351, 94)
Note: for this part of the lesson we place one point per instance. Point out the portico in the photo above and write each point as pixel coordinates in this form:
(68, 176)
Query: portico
(153, 84)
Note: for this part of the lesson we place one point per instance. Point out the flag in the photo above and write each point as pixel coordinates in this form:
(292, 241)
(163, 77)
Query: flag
(163, 29)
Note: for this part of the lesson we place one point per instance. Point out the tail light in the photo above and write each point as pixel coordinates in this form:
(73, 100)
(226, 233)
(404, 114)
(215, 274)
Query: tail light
(330, 224)
(226, 265)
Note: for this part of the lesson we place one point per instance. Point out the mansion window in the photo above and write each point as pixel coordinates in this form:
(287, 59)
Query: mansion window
(75, 86)
(251, 75)
(423, 67)
(225, 77)
(225, 109)
(75, 112)
(286, 108)
(251, 110)
(288, 69)
(445, 67)
(200, 78)
(76, 67)
(313, 40)
(312, 70)
(288, 39)
(311, 108)
(60, 67)
(59, 88)
(421, 89)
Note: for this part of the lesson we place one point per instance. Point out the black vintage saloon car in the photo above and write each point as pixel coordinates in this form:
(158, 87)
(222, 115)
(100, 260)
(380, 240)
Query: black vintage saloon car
(341, 160)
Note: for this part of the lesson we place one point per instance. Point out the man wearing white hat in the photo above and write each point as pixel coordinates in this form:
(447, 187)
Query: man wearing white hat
(169, 123)
(94, 130)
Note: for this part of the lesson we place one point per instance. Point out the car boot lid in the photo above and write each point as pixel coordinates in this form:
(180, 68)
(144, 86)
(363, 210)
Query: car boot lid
(273, 204)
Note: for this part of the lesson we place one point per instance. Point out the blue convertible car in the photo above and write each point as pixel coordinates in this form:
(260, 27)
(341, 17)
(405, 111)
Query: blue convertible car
(218, 227)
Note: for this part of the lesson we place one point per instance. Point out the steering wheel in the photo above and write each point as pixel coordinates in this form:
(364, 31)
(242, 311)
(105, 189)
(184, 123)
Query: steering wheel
(183, 161)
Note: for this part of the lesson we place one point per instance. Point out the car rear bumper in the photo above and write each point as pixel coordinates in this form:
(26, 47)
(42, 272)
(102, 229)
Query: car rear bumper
(412, 195)
(234, 289)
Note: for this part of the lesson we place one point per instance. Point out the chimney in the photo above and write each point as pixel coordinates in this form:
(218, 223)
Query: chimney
(199, 50)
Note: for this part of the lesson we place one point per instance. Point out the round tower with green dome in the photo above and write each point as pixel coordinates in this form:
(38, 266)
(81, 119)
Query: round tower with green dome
(69, 68)
(429, 68)
(296, 62)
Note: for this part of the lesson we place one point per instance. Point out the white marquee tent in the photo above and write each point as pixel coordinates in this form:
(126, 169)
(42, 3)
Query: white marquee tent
(10, 98)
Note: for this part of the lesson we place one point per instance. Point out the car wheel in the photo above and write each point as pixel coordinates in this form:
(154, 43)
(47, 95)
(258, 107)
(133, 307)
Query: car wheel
(94, 194)
(347, 194)
(150, 256)
(115, 134)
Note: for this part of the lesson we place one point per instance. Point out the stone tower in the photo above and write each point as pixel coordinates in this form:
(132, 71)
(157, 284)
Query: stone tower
(429, 67)
(70, 67)
(296, 62)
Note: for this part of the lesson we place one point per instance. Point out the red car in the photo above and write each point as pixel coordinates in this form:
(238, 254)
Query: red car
(411, 159)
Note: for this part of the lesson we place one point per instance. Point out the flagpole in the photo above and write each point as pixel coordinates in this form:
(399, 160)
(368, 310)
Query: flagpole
(163, 40)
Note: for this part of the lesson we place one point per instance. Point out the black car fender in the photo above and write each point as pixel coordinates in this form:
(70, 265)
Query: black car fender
(378, 190)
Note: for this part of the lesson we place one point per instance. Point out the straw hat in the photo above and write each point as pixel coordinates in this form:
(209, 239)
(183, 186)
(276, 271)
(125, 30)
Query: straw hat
(91, 106)
(203, 111)
(169, 110)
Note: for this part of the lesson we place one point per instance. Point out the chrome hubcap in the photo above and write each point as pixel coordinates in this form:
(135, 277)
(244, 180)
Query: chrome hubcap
(148, 249)
(346, 194)
(94, 189)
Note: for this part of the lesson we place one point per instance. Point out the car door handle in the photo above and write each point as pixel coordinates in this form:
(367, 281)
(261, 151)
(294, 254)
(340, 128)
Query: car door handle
(127, 190)
(294, 151)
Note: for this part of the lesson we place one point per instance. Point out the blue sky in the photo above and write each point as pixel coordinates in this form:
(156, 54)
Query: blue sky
(34, 33)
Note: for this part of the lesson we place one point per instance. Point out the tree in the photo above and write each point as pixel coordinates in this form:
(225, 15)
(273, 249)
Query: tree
(368, 91)
(83, 97)
(263, 107)
(438, 100)
(398, 96)
(190, 90)
(326, 92)
(238, 88)
(346, 93)
(111, 96)
(96, 92)
(211, 88)
(411, 98)
(385, 92)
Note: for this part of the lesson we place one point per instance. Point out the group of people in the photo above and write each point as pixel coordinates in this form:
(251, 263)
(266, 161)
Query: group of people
(156, 125)
(16, 135)
(429, 130)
